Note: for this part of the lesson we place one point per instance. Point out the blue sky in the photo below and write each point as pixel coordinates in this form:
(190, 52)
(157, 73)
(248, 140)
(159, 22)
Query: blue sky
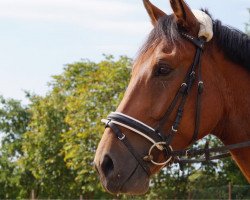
(38, 37)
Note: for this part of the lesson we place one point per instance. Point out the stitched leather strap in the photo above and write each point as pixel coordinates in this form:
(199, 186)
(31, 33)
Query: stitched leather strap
(136, 125)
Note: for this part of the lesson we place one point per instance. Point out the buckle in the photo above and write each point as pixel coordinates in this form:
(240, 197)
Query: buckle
(106, 122)
(122, 137)
(174, 130)
(187, 152)
(184, 87)
(200, 87)
(192, 75)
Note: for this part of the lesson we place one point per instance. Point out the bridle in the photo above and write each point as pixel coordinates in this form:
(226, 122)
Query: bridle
(163, 142)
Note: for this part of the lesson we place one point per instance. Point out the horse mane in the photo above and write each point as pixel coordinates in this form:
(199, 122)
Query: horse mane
(234, 43)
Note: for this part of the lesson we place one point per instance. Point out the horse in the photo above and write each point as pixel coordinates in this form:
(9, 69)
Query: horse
(186, 87)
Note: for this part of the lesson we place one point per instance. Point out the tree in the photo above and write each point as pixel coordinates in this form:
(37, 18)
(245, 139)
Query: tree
(50, 143)
(14, 119)
(65, 128)
(42, 149)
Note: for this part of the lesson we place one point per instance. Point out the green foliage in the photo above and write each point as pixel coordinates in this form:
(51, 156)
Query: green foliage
(65, 128)
(170, 183)
(42, 149)
(14, 119)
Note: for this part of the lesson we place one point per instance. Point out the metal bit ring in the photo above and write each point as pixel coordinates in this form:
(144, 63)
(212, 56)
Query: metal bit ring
(151, 149)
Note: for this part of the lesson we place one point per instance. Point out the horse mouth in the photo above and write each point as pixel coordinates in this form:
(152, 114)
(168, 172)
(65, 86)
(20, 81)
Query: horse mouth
(137, 183)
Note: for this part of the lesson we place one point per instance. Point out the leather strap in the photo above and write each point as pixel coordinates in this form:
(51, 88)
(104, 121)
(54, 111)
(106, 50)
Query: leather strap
(197, 152)
(134, 124)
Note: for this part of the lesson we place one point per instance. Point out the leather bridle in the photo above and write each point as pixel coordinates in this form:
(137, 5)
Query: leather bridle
(163, 141)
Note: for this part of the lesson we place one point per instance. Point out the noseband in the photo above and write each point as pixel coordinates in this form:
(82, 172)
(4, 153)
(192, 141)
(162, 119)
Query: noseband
(163, 142)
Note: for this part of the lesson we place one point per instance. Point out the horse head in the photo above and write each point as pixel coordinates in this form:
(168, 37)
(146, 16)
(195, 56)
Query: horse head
(162, 111)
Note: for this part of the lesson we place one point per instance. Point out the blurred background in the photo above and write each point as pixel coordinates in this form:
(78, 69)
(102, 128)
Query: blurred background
(64, 65)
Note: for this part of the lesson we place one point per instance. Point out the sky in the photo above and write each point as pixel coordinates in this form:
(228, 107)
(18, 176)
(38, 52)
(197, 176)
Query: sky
(39, 37)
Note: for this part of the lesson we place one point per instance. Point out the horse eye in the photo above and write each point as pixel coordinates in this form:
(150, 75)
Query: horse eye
(163, 70)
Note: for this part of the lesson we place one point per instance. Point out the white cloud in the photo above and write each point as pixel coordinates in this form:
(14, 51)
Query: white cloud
(120, 49)
(120, 27)
(80, 5)
(106, 15)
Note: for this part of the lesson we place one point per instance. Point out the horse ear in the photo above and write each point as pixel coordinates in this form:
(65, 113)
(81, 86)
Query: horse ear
(153, 12)
(184, 16)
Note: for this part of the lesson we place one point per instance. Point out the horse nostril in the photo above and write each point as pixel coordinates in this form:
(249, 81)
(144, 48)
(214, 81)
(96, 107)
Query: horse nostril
(107, 165)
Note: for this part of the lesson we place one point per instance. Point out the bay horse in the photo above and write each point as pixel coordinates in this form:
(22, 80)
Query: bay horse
(185, 87)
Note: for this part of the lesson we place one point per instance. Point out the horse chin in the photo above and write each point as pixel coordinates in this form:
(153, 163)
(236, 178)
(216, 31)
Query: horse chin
(137, 183)
(138, 188)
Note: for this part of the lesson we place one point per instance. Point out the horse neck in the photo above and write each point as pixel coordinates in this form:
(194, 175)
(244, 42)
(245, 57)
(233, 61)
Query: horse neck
(235, 122)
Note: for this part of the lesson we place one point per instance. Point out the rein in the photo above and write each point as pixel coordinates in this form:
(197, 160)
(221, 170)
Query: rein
(163, 142)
